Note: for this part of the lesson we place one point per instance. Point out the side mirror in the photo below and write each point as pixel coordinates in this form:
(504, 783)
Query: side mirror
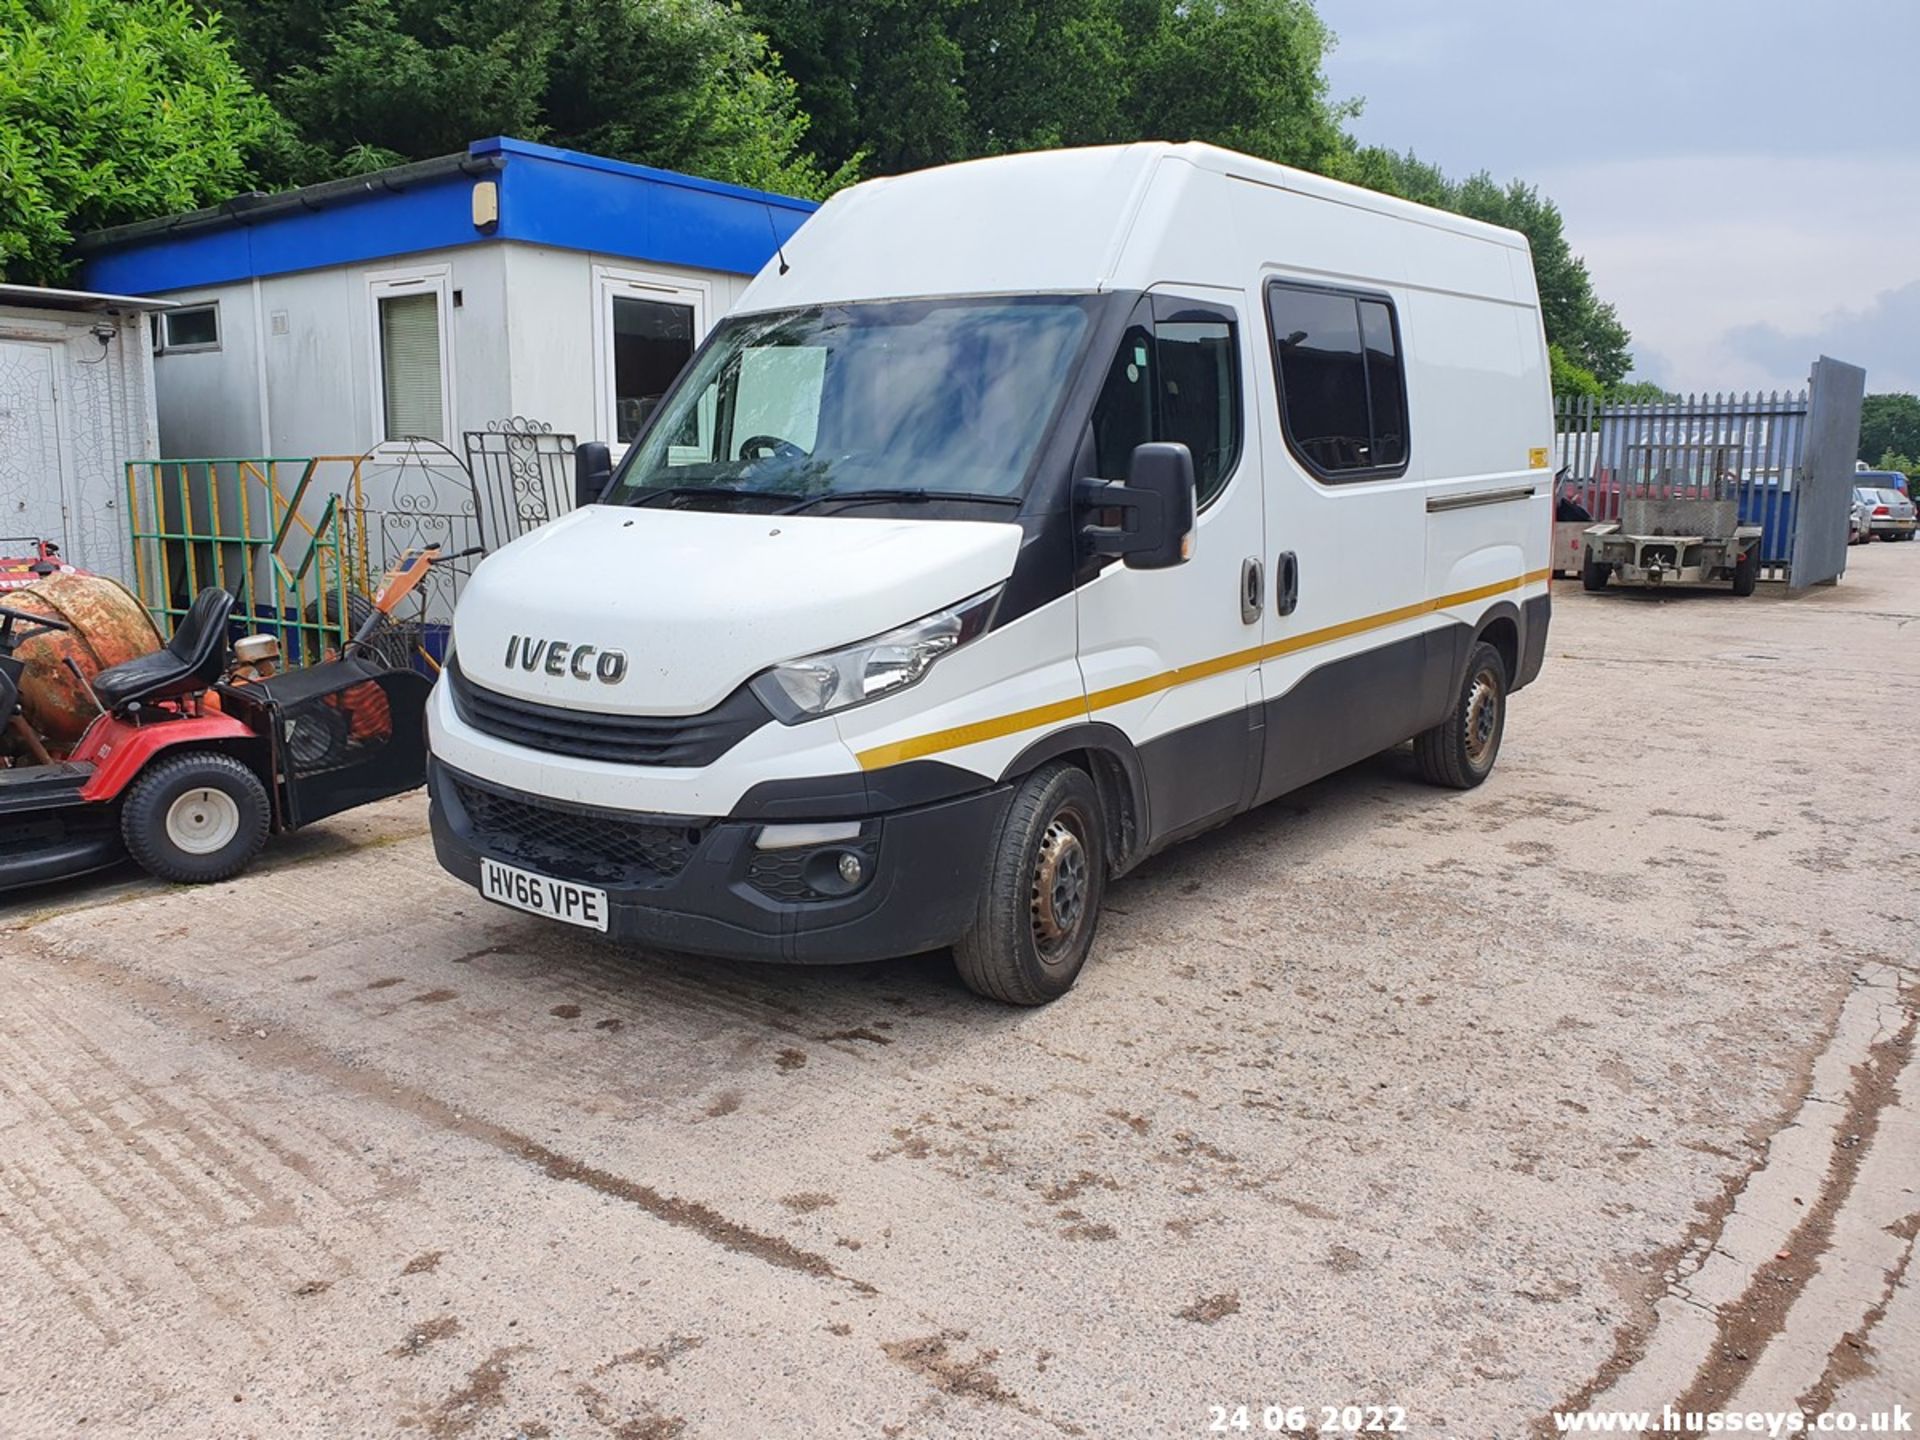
(592, 471)
(1153, 510)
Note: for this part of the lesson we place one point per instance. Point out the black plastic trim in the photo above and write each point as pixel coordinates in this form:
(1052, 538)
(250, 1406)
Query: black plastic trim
(1202, 775)
(1536, 616)
(1129, 813)
(1342, 712)
(671, 740)
(923, 893)
(855, 795)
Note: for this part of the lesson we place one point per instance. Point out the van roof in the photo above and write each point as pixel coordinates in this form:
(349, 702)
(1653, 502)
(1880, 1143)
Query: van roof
(1050, 220)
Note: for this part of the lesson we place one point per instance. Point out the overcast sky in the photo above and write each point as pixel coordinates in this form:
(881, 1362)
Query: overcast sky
(1741, 176)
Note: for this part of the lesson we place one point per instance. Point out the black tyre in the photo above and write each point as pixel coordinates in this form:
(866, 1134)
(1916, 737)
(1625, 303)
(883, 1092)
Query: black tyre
(1746, 573)
(1594, 573)
(1045, 879)
(1459, 752)
(196, 818)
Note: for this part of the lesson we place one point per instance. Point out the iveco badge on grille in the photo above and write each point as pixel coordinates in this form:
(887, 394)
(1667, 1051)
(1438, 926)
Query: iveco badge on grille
(562, 657)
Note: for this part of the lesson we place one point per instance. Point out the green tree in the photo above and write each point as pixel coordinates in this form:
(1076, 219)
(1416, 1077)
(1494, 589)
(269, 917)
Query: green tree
(1905, 464)
(684, 84)
(1570, 378)
(113, 111)
(912, 83)
(1640, 392)
(1889, 422)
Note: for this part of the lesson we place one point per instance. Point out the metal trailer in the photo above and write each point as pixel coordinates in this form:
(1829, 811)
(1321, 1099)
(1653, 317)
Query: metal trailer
(1673, 541)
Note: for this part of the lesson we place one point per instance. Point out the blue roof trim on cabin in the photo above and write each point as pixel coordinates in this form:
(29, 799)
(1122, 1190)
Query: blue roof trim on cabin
(553, 197)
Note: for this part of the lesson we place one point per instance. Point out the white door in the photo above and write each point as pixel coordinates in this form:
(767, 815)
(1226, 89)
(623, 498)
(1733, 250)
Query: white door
(1169, 656)
(1350, 667)
(34, 491)
(646, 328)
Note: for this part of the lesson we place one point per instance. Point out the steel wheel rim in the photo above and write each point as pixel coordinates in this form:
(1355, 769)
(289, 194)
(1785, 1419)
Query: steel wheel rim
(202, 821)
(1483, 718)
(1062, 884)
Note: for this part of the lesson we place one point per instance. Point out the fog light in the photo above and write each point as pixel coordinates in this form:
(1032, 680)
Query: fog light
(850, 870)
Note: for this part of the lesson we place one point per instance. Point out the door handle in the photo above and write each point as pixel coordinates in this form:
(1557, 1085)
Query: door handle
(1253, 589)
(1286, 583)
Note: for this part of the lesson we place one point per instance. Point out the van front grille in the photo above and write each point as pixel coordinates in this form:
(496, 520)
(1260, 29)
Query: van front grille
(678, 740)
(581, 844)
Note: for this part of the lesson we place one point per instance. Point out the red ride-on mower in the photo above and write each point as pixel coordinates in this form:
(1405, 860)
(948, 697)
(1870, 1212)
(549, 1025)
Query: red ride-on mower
(186, 771)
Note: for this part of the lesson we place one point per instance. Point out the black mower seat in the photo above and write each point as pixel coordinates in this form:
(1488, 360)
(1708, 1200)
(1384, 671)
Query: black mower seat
(191, 661)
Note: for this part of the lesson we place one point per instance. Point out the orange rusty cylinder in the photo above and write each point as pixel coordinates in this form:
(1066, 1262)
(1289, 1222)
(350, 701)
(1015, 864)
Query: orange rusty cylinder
(109, 625)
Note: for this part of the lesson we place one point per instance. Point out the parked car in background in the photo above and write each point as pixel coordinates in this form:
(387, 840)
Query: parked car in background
(1860, 520)
(1890, 515)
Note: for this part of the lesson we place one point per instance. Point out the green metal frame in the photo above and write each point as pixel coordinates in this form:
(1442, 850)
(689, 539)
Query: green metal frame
(290, 578)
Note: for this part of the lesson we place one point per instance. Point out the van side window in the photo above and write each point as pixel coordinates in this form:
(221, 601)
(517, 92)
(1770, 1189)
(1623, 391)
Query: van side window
(1343, 398)
(1179, 381)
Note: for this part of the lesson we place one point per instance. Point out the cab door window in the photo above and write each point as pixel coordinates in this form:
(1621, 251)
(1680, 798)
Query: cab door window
(1174, 379)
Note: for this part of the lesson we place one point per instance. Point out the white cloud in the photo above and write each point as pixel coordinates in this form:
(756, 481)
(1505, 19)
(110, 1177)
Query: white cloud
(1884, 337)
(1702, 254)
(1741, 179)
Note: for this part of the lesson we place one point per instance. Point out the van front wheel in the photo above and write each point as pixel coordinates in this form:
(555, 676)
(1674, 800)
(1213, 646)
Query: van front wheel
(1040, 907)
(1459, 752)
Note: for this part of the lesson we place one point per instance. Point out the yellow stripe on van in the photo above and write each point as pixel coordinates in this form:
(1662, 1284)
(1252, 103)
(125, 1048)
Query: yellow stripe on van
(1038, 715)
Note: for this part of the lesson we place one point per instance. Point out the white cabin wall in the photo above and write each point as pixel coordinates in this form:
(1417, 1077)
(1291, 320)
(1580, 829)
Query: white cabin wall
(552, 299)
(209, 400)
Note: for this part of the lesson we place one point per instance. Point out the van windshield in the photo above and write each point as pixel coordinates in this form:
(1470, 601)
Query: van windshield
(934, 397)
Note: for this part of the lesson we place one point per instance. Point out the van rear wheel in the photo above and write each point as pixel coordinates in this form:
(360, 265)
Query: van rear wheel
(1459, 752)
(1040, 907)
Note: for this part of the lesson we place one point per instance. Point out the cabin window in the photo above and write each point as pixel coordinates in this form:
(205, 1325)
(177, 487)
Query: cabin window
(413, 396)
(1177, 380)
(646, 329)
(191, 327)
(1343, 393)
(652, 339)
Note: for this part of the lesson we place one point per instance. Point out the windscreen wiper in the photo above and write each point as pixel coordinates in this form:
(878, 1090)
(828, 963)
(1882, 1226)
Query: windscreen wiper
(880, 497)
(699, 492)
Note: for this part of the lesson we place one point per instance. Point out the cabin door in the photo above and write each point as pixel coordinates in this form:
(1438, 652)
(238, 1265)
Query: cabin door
(1171, 656)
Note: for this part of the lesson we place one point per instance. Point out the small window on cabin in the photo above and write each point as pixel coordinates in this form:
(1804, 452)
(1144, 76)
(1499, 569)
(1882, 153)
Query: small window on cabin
(652, 340)
(412, 392)
(191, 327)
(1342, 384)
(1180, 382)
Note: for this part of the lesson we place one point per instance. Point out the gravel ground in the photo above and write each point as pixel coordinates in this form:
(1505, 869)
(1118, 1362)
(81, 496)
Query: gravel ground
(1589, 1083)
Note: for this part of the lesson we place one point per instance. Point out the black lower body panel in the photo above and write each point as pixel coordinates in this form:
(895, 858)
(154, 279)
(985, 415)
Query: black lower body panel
(1359, 705)
(698, 884)
(1535, 614)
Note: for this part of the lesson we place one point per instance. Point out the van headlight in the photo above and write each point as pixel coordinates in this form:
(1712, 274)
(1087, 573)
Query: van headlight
(797, 690)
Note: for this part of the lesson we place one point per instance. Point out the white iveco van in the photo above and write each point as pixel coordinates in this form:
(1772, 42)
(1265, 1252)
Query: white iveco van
(1028, 516)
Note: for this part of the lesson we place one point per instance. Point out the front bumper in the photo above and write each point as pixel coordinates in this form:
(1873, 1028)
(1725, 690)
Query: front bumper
(684, 882)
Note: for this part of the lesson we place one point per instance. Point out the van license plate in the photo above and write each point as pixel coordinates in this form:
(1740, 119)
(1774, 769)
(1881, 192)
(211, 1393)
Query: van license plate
(536, 894)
